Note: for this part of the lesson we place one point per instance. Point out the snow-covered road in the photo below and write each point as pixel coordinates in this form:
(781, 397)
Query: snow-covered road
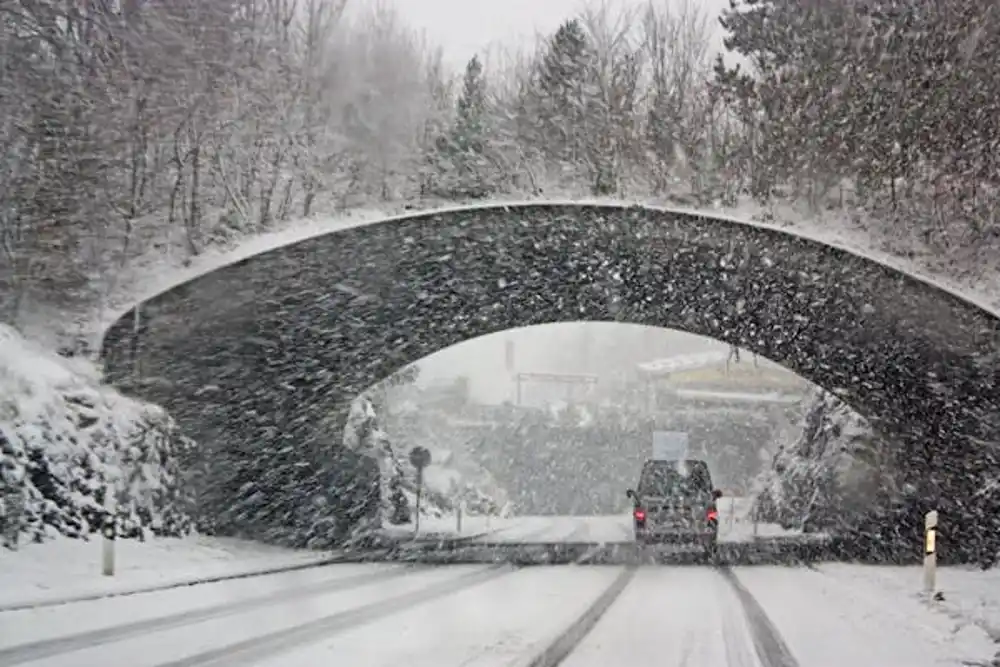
(381, 615)
(734, 526)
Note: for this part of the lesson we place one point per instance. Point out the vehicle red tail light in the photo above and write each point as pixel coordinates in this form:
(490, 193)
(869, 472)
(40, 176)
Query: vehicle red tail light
(639, 514)
(713, 515)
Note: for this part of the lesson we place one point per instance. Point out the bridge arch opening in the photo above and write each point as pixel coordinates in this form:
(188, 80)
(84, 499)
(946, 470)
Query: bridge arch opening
(559, 419)
(284, 335)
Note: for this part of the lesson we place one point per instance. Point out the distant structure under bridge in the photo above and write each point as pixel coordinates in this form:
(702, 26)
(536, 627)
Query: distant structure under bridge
(719, 381)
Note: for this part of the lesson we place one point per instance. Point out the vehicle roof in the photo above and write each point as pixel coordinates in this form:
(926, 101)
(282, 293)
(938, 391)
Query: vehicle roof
(674, 462)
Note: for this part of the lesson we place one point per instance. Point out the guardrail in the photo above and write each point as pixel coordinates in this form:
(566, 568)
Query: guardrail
(763, 551)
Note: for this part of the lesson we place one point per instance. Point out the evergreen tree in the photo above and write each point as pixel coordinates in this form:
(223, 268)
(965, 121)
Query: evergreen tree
(468, 137)
(877, 91)
(555, 116)
(400, 506)
(467, 150)
(436, 167)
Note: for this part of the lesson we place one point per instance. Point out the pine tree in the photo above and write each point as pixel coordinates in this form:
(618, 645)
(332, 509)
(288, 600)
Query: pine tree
(467, 148)
(468, 136)
(436, 167)
(558, 105)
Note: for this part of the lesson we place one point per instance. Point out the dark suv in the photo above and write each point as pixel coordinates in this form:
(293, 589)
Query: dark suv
(675, 503)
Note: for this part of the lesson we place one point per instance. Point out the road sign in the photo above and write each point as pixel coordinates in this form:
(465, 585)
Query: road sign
(670, 445)
(420, 458)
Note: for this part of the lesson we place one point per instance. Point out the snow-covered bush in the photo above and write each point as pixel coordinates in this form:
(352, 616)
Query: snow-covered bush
(65, 440)
(445, 486)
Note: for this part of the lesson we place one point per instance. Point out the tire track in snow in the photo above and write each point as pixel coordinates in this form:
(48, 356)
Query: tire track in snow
(738, 652)
(768, 643)
(675, 616)
(47, 648)
(266, 645)
(554, 654)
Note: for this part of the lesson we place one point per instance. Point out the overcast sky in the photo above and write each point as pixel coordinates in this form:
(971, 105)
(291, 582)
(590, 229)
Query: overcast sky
(573, 347)
(463, 28)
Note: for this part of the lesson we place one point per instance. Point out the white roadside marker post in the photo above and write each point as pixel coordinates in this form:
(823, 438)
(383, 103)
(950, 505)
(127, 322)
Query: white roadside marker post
(930, 552)
(109, 531)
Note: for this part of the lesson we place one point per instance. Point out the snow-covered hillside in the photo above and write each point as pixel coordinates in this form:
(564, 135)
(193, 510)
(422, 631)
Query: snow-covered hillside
(64, 439)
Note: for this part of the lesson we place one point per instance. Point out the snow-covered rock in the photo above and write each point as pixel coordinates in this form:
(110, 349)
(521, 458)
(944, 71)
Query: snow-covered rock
(65, 439)
(833, 471)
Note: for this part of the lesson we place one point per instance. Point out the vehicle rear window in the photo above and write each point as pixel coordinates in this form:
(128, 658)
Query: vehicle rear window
(674, 478)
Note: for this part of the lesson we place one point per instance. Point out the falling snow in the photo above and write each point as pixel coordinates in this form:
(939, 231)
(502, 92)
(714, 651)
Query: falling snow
(290, 310)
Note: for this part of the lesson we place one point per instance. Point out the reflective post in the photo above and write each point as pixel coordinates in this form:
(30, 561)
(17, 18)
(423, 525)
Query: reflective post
(109, 532)
(930, 552)
(108, 555)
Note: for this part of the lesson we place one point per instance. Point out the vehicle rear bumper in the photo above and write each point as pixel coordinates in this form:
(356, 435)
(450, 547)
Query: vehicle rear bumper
(668, 536)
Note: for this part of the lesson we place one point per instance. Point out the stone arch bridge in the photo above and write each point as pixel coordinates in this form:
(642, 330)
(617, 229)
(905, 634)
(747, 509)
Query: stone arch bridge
(254, 356)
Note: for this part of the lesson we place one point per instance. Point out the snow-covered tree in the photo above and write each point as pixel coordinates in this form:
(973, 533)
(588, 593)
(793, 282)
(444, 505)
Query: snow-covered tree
(364, 435)
(469, 148)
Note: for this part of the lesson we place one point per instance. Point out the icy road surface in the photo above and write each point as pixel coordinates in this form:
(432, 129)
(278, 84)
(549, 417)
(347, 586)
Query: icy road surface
(385, 615)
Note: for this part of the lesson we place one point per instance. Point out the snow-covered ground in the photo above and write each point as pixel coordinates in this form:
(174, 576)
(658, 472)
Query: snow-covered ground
(71, 569)
(382, 615)
(67, 568)
(832, 621)
(969, 594)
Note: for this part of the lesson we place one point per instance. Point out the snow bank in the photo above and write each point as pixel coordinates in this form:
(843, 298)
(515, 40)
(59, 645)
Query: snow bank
(64, 439)
(65, 569)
